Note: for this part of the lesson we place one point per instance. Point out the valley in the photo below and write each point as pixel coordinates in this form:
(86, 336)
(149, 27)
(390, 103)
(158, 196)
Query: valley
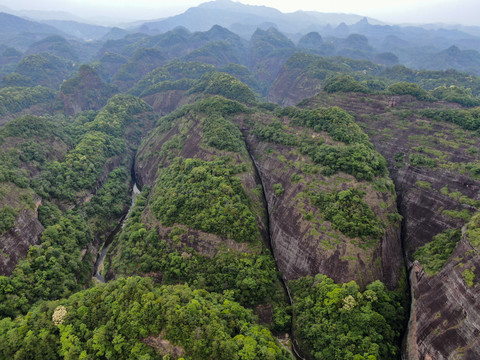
(174, 193)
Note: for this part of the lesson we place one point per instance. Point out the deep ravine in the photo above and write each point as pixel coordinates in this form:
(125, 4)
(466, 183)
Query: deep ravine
(98, 267)
(297, 351)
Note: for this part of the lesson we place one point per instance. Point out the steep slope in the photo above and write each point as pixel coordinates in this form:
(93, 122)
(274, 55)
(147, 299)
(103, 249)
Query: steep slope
(302, 179)
(304, 75)
(26, 144)
(85, 91)
(434, 166)
(445, 314)
(268, 50)
(80, 171)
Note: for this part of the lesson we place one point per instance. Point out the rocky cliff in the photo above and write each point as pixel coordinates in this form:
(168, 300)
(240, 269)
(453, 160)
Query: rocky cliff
(85, 91)
(445, 313)
(429, 162)
(15, 243)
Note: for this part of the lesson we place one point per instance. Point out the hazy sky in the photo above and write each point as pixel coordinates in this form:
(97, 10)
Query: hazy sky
(425, 11)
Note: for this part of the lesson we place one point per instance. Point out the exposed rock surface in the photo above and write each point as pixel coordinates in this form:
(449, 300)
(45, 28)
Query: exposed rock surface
(188, 131)
(445, 312)
(15, 243)
(304, 246)
(445, 317)
(86, 91)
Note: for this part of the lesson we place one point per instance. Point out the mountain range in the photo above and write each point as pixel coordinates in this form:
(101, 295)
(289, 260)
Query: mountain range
(273, 186)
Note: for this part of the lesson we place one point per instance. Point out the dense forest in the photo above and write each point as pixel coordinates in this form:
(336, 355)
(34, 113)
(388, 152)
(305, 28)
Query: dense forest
(308, 198)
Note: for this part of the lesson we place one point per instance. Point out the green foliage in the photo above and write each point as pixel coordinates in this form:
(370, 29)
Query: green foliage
(275, 132)
(467, 119)
(344, 83)
(435, 254)
(339, 124)
(183, 84)
(250, 277)
(7, 218)
(222, 134)
(99, 140)
(51, 271)
(218, 105)
(349, 213)
(175, 70)
(27, 145)
(278, 189)
(56, 268)
(337, 321)
(357, 158)
(455, 94)
(422, 160)
(32, 127)
(405, 88)
(206, 196)
(113, 321)
(45, 69)
(473, 231)
(469, 276)
(424, 184)
(48, 214)
(15, 99)
(226, 85)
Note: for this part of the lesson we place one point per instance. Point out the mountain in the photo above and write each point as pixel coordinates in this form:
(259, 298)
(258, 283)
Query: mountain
(78, 29)
(231, 14)
(13, 25)
(154, 206)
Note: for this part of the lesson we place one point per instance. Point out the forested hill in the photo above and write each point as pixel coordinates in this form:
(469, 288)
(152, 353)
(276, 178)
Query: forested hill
(339, 220)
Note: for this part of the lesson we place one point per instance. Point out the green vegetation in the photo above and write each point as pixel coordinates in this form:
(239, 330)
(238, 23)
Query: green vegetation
(424, 184)
(349, 214)
(456, 94)
(467, 119)
(422, 160)
(405, 88)
(278, 189)
(435, 254)
(15, 99)
(225, 85)
(7, 218)
(44, 69)
(222, 134)
(357, 158)
(338, 123)
(101, 140)
(276, 133)
(469, 276)
(250, 277)
(120, 319)
(473, 231)
(205, 196)
(173, 71)
(344, 83)
(337, 321)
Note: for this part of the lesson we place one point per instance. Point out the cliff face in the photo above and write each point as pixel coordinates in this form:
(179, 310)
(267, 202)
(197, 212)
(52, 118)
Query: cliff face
(303, 242)
(291, 86)
(15, 243)
(86, 91)
(445, 313)
(438, 194)
(185, 139)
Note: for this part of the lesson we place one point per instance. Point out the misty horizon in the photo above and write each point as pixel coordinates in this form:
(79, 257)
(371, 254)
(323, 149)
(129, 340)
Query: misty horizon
(120, 13)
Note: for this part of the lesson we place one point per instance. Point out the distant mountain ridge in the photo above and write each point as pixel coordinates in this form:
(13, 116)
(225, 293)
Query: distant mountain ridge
(230, 14)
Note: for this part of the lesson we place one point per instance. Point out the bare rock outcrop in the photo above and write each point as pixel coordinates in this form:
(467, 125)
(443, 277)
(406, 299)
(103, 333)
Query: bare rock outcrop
(16, 242)
(445, 314)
